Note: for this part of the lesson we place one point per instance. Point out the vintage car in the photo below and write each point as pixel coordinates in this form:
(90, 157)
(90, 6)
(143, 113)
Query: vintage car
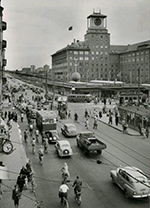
(52, 136)
(132, 181)
(69, 130)
(63, 148)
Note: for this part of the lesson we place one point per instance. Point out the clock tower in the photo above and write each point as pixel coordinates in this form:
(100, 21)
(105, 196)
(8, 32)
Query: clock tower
(97, 39)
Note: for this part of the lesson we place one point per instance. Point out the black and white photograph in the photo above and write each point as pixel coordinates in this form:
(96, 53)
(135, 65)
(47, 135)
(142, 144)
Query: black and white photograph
(74, 103)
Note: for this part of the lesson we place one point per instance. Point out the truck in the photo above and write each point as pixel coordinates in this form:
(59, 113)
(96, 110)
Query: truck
(88, 143)
(46, 122)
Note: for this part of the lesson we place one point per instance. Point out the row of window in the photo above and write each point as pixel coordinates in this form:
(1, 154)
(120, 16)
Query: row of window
(80, 52)
(133, 59)
(135, 53)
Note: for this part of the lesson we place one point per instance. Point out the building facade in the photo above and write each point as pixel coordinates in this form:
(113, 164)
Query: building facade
(3, 45)
(95, 58)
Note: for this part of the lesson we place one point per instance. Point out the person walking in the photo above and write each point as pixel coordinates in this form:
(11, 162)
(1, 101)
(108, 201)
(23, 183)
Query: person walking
(116, 118)
(21, 182)
(16, 196)
(87, 123)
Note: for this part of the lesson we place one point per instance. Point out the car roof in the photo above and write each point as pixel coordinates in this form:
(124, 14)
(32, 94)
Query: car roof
(86, 132)
(63, 142)
(133, 171)
(69, 124)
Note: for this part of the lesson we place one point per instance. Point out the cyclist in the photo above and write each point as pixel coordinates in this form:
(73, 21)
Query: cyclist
(41, 154)
(63, 190)
(33, 142)
(65, 172)
(77, 185)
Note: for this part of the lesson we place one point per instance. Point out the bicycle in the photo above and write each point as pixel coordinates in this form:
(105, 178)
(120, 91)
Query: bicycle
(78, 197)
(39, 204)
(64, 202)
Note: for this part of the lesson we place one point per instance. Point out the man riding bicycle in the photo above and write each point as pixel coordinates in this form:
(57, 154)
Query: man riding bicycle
(77, 185)
(63, 190)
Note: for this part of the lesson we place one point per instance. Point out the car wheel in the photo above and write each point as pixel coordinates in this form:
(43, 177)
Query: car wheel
(126, 193)
(99, 152)
(112, 178)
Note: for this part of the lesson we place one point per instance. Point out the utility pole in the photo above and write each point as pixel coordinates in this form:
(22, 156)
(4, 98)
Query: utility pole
(138, 86)
(46, 68)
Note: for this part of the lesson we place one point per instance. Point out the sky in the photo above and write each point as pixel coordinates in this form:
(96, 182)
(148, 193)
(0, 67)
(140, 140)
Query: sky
(36, 29)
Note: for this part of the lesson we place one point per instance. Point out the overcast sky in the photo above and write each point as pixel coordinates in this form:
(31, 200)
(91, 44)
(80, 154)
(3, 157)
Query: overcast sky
(38, 28)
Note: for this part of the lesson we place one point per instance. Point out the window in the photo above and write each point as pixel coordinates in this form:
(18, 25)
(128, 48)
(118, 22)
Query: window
(97, 52)
(86, 58)
(80, 58)
(92, 52)
(80, 52)
(87, 52)
(75, 52)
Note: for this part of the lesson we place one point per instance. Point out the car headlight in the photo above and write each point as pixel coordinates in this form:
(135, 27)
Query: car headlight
(54, 138)
(50, 138)
(134, 192)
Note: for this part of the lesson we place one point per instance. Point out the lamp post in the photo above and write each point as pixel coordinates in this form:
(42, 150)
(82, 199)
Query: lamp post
(138, 86)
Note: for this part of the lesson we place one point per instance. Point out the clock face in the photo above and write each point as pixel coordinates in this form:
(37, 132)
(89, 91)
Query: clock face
(97, 21)
(7, 147)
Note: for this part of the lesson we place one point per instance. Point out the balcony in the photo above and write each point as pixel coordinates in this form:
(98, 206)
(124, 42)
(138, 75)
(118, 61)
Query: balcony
(4, 44)
(4, 62)
(4, 25)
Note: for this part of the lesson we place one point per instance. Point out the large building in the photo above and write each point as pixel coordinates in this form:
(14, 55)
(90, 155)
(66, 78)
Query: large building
(95, 58)
(3, 45)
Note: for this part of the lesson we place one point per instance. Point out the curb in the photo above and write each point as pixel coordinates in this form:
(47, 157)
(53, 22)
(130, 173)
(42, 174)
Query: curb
(118, 129)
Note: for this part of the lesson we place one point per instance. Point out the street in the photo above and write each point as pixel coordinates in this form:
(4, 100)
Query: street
(98, 190)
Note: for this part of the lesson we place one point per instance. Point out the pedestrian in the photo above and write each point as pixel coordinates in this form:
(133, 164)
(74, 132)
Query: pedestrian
(95, 124)
(21, 117)
(16, 196)
(25, 135)
(100, 114)
(87, 123)
(86, 113)
(147, 132)
(21, 182)
(116, 118)
(69, 114)
(29, 170)
(110, 119)
(33, 184)
(5, 114)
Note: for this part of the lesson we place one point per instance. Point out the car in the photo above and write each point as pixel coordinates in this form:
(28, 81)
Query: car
(63, 148)
(69, 130)
(132, 181)
(52, 136)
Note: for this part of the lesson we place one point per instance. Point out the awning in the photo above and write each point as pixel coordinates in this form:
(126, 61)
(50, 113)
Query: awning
(4, 174)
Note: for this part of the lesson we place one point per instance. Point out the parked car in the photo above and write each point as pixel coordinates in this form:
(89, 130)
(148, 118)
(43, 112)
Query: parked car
(63, 148)
(132, 181)
(52, 136)
(69, 130)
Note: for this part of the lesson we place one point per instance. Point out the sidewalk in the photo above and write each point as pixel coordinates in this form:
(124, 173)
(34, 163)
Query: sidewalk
(105, 119)
(14, 163)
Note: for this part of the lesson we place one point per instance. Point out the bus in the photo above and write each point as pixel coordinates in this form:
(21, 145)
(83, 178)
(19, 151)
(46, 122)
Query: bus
(80, 98)
(46, 121)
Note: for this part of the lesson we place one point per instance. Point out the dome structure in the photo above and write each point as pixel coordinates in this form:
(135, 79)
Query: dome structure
(76, 76)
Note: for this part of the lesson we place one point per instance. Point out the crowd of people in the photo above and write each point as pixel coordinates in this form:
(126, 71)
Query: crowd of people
(24, 180)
